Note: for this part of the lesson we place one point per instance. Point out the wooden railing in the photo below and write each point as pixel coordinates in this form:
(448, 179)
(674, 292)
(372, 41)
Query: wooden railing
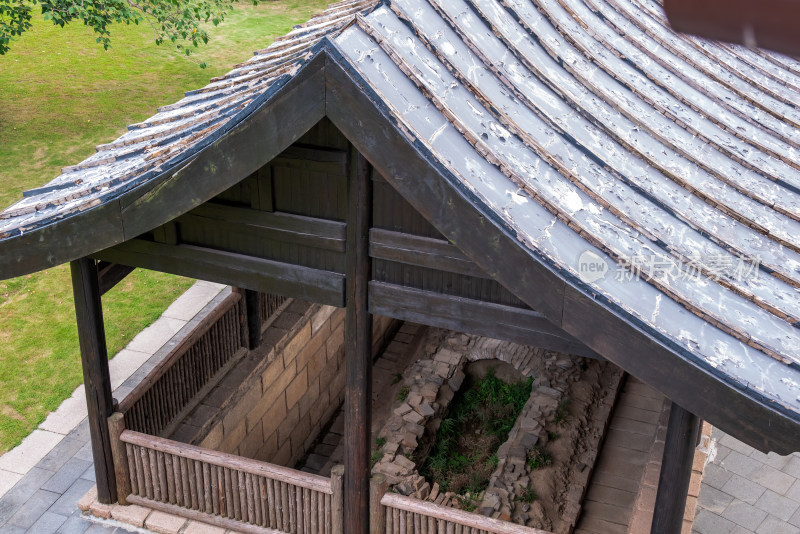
(270, 304)
(392, 513)
(228, 490)
(217, 342)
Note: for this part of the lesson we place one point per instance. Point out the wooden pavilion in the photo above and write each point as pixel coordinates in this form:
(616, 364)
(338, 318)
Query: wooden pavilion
(566, 174)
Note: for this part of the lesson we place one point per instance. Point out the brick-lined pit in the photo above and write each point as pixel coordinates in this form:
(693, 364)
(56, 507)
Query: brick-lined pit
(273, 406)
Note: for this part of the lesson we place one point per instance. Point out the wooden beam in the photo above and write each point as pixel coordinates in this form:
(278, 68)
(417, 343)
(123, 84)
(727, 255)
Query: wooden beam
(518, 325)
(111, 274)
(676, 471)
(421, 251)
(285, 227)
(358, 351)
(96, 379)
(268, 276)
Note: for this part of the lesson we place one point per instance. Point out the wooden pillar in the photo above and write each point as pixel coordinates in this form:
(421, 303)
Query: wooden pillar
(252, 301)
(96, 380)
(358, 350)
(676, 470)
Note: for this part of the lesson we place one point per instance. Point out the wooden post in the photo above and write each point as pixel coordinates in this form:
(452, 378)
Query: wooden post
(358, 350)
(96, 380)
(254, 319)
(116, 425)
(377, 517)
(676, 470)
(337, 502)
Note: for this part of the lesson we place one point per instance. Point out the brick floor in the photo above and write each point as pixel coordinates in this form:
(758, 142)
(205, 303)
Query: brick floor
(745, 491)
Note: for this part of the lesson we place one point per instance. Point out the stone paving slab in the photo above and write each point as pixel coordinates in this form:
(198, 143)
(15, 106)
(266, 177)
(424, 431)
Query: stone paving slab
(745, 491)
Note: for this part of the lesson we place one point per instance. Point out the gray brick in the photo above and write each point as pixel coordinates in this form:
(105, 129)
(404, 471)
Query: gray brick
(741, 464)
(795, 519)
(7, 509)
(707, 523)
(85, 453)
(33, 509)
(776, 505)
(49, 523)
(772, 479)
(68, 502)
(66, 475)
(80, 432)
(794, 491)
(60, 454)
(773, 525)
(11, 529)
(773, 460)
(743, 489)
(793, 466)
(89, 474)
(716, 476)
(736, 445)
(713, 499)
(744, 514)
(75, 524)
(26, 487)
(722, 453)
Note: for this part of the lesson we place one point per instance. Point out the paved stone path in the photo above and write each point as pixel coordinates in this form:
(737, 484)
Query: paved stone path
(42, 479)
(746, 491)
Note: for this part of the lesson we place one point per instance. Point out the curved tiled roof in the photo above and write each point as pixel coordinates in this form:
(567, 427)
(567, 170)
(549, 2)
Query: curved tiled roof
(590, 131)
(174, 133)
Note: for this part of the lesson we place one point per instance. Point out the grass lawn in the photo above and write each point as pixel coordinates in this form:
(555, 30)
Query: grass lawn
(62, 95)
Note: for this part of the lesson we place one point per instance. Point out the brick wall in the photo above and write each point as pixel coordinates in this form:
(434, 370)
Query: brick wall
(285, 401)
